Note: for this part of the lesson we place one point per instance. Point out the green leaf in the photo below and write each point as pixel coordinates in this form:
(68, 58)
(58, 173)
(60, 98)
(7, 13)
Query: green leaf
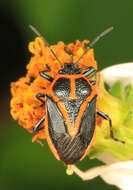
(128, 96)
(116, 90)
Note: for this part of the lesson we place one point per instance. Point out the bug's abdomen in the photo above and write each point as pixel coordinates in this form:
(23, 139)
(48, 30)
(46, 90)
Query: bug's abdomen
(70, 149)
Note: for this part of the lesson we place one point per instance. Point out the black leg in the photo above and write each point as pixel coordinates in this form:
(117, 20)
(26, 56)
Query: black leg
(93, 82)
(42, 74)
(84, 68)
(38, 125)
(49, 78)
(39, 96)
(48, 69)
(89, 72)
(110, 125)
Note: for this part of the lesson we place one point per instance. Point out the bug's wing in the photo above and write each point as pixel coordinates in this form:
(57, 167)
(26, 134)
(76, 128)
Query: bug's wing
(55, 120)
(87, 125)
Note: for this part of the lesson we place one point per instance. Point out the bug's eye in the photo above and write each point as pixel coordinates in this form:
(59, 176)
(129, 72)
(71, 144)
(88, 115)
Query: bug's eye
(83, 89)
(61, 87)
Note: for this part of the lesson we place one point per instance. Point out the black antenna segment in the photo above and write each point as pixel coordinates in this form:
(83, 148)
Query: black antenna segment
(72, 58)
(45, 41)
(94, 42)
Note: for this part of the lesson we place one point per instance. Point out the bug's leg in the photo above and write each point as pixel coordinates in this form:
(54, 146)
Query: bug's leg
(42, 74)
(49, 78)
(36, 127)
(110, 125)
(93, 82)
(39, 96)
(90, 71)
(48, 69)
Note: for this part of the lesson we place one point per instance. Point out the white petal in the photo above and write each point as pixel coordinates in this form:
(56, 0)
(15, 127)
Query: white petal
(122, 72)
(119, 174)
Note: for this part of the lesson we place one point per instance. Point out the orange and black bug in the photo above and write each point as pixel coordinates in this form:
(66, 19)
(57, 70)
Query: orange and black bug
(70, 103)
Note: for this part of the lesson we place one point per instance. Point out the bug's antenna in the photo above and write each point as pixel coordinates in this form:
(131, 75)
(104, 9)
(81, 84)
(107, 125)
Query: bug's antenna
(93, 43)
(72, 58)
(45, 41)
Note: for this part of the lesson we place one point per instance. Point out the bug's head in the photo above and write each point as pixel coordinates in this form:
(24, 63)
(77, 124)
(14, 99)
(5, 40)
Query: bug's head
(69, 69)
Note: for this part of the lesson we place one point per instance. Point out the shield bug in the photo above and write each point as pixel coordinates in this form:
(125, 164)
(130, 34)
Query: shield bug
(70, 102)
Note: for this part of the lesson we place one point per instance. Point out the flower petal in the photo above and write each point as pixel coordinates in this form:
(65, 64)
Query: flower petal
(119, 174)
(122, 72)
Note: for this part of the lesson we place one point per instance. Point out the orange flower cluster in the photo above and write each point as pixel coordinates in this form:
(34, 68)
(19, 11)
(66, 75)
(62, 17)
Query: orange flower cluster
(24, 91)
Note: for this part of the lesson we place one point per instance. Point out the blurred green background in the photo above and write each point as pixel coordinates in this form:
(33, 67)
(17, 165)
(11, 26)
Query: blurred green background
(24, 165)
